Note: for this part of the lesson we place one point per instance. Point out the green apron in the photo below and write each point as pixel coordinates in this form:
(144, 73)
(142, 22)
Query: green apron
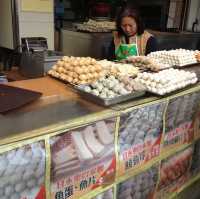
(125, 50)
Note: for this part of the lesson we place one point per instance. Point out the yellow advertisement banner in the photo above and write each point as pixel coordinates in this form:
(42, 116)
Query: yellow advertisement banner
(37, 5)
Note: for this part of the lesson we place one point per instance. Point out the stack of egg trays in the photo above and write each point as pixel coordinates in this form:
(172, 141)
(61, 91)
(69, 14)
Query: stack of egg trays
(141, 186)
(22, 171)
(140, 125)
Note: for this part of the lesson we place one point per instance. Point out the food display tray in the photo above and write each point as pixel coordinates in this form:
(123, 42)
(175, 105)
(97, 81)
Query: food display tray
(107, 101)
(173, 92)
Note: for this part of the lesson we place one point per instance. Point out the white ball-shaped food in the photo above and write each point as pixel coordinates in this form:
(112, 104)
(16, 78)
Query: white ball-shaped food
(9, 190)
(31, 183)
(20, 186)
(87, 89)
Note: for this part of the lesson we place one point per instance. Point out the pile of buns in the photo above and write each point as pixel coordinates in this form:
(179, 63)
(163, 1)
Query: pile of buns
(77, 70)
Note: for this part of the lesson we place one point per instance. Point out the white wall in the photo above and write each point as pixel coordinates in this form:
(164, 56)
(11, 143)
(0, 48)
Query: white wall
(6, 31)
(36, 24)
(193, 14)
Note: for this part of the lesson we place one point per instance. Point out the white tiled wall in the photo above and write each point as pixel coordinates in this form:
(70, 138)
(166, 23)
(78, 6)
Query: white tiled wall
(36, 24)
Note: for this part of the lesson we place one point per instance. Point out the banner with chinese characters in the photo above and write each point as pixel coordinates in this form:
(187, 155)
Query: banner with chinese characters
(82, 160)
(141, 186)
(174, 172)
(179, 123)
(22, 172)
(140, 135)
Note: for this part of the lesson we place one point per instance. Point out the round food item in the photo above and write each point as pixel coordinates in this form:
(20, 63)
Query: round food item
(95, 92)
(69, 79)
(60, 63)
(83, 77)
(87, 89)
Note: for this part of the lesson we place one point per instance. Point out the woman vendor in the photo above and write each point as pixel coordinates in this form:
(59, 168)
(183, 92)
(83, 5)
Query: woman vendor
(130, 38)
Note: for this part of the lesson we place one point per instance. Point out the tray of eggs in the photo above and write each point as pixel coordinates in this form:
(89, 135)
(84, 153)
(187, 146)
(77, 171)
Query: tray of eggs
(110, 90)
(77, 70)
(166, 81)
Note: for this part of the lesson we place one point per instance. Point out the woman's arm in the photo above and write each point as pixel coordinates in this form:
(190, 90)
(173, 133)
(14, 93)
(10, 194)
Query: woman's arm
(151, 45)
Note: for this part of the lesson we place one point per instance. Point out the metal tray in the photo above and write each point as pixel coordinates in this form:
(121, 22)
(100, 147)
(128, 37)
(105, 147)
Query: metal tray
(107, 101)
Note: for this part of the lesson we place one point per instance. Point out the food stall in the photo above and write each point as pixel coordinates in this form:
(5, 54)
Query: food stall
(64, 146)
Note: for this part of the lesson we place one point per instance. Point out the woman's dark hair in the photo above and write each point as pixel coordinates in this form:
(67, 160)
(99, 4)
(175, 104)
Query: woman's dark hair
(129, 11)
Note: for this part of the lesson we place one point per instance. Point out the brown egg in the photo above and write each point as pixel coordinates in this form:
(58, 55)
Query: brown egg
(75, 75)
(60, 70)
(78, 70)
(93, 61)
(96, 75)
(62, 76)
(92, 69)
(70, 74)
(60, 63)
(75, 63)
(75, 80)
(98, 68)
(71, 68)
(90, 75)
(69, 79)
(56, 74)
(65, 58)
(66, 66)
(82, 77)
(82, 82)
(54, 67)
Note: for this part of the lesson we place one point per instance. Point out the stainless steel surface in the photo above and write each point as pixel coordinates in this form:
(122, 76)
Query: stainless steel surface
(108, 101)
(29, 119)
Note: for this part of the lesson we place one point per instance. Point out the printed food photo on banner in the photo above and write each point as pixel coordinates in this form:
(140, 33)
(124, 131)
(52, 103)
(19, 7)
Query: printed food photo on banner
(179, 119)
(195, 168)
(197, 123)
(105, 195)
(174, 171)
(141, 186)
(140, 135)
(83, 159)
(22, 172)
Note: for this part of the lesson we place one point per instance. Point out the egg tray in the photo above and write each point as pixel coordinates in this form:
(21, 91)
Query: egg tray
(107, 101)
(187, 65)
(173, 92)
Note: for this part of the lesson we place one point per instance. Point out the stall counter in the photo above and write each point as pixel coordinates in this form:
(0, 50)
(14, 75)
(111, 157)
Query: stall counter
(62, 146)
